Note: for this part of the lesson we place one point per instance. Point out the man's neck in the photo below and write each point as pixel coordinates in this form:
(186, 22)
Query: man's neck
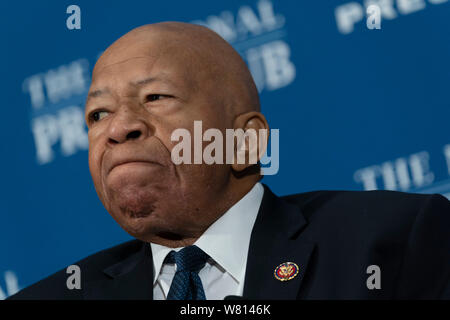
(175, 240)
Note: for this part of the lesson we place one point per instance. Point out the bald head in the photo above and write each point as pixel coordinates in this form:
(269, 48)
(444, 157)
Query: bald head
(149, 84)
(209, 61)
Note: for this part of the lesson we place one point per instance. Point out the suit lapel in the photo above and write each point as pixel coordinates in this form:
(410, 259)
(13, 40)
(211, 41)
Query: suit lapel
(131, 278)
(274, 241)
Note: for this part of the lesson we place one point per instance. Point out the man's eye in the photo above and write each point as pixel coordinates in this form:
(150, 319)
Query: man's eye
(98, 115)
(153, 97)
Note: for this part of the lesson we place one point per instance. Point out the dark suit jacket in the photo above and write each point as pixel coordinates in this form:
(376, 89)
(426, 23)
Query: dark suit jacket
(333, 236)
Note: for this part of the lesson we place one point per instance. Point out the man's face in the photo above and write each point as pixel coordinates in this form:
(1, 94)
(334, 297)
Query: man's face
(137, 99)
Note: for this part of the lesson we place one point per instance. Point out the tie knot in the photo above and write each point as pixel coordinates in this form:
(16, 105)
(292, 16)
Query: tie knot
(190, 258)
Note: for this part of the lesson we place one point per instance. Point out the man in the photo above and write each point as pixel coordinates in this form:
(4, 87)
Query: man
(210, 231)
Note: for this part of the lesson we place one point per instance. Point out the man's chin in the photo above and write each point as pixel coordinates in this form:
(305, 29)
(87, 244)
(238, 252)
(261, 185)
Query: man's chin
(132, 201)
(134, 217)
(137, 213)
(138, 225)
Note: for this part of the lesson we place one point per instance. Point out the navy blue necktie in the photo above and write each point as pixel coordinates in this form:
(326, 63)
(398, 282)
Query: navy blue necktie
(186, 284)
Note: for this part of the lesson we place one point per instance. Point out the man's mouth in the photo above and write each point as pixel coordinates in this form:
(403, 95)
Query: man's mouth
(130, 161)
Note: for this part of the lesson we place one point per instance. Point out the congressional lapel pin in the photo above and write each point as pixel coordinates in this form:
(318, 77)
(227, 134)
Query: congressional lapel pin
(286, 271)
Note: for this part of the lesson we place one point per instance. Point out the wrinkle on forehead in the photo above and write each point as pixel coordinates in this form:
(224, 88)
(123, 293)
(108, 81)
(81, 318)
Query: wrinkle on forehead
(99, 68)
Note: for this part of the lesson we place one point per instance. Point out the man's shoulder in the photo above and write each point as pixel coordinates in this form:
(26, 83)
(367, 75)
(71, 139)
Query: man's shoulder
(405, 234)
(379, 211)
(54, 287)
(379, 202)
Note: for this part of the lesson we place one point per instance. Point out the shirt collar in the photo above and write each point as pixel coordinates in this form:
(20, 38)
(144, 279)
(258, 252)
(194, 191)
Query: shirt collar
(227, 240)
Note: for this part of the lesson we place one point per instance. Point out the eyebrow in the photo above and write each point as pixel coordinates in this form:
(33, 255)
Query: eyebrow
(145, 81)
(97, 93)
(139, 83)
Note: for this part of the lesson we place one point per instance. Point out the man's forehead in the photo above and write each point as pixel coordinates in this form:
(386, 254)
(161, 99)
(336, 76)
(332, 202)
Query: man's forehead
(138, 71)
(124, 67)
(139, 49)
(104, 64)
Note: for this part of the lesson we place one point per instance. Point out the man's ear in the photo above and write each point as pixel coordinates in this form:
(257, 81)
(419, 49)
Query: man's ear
(252, 144)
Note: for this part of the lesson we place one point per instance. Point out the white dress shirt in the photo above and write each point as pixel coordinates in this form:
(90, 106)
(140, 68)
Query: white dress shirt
(226, 242)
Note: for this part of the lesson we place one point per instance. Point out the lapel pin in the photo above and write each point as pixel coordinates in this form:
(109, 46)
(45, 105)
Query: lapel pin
(286, 271)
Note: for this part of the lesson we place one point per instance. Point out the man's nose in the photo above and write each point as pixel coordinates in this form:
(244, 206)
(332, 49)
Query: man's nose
(127, 125)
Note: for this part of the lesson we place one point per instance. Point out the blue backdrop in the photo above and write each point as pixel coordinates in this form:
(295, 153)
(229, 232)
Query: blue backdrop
(356, 108)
